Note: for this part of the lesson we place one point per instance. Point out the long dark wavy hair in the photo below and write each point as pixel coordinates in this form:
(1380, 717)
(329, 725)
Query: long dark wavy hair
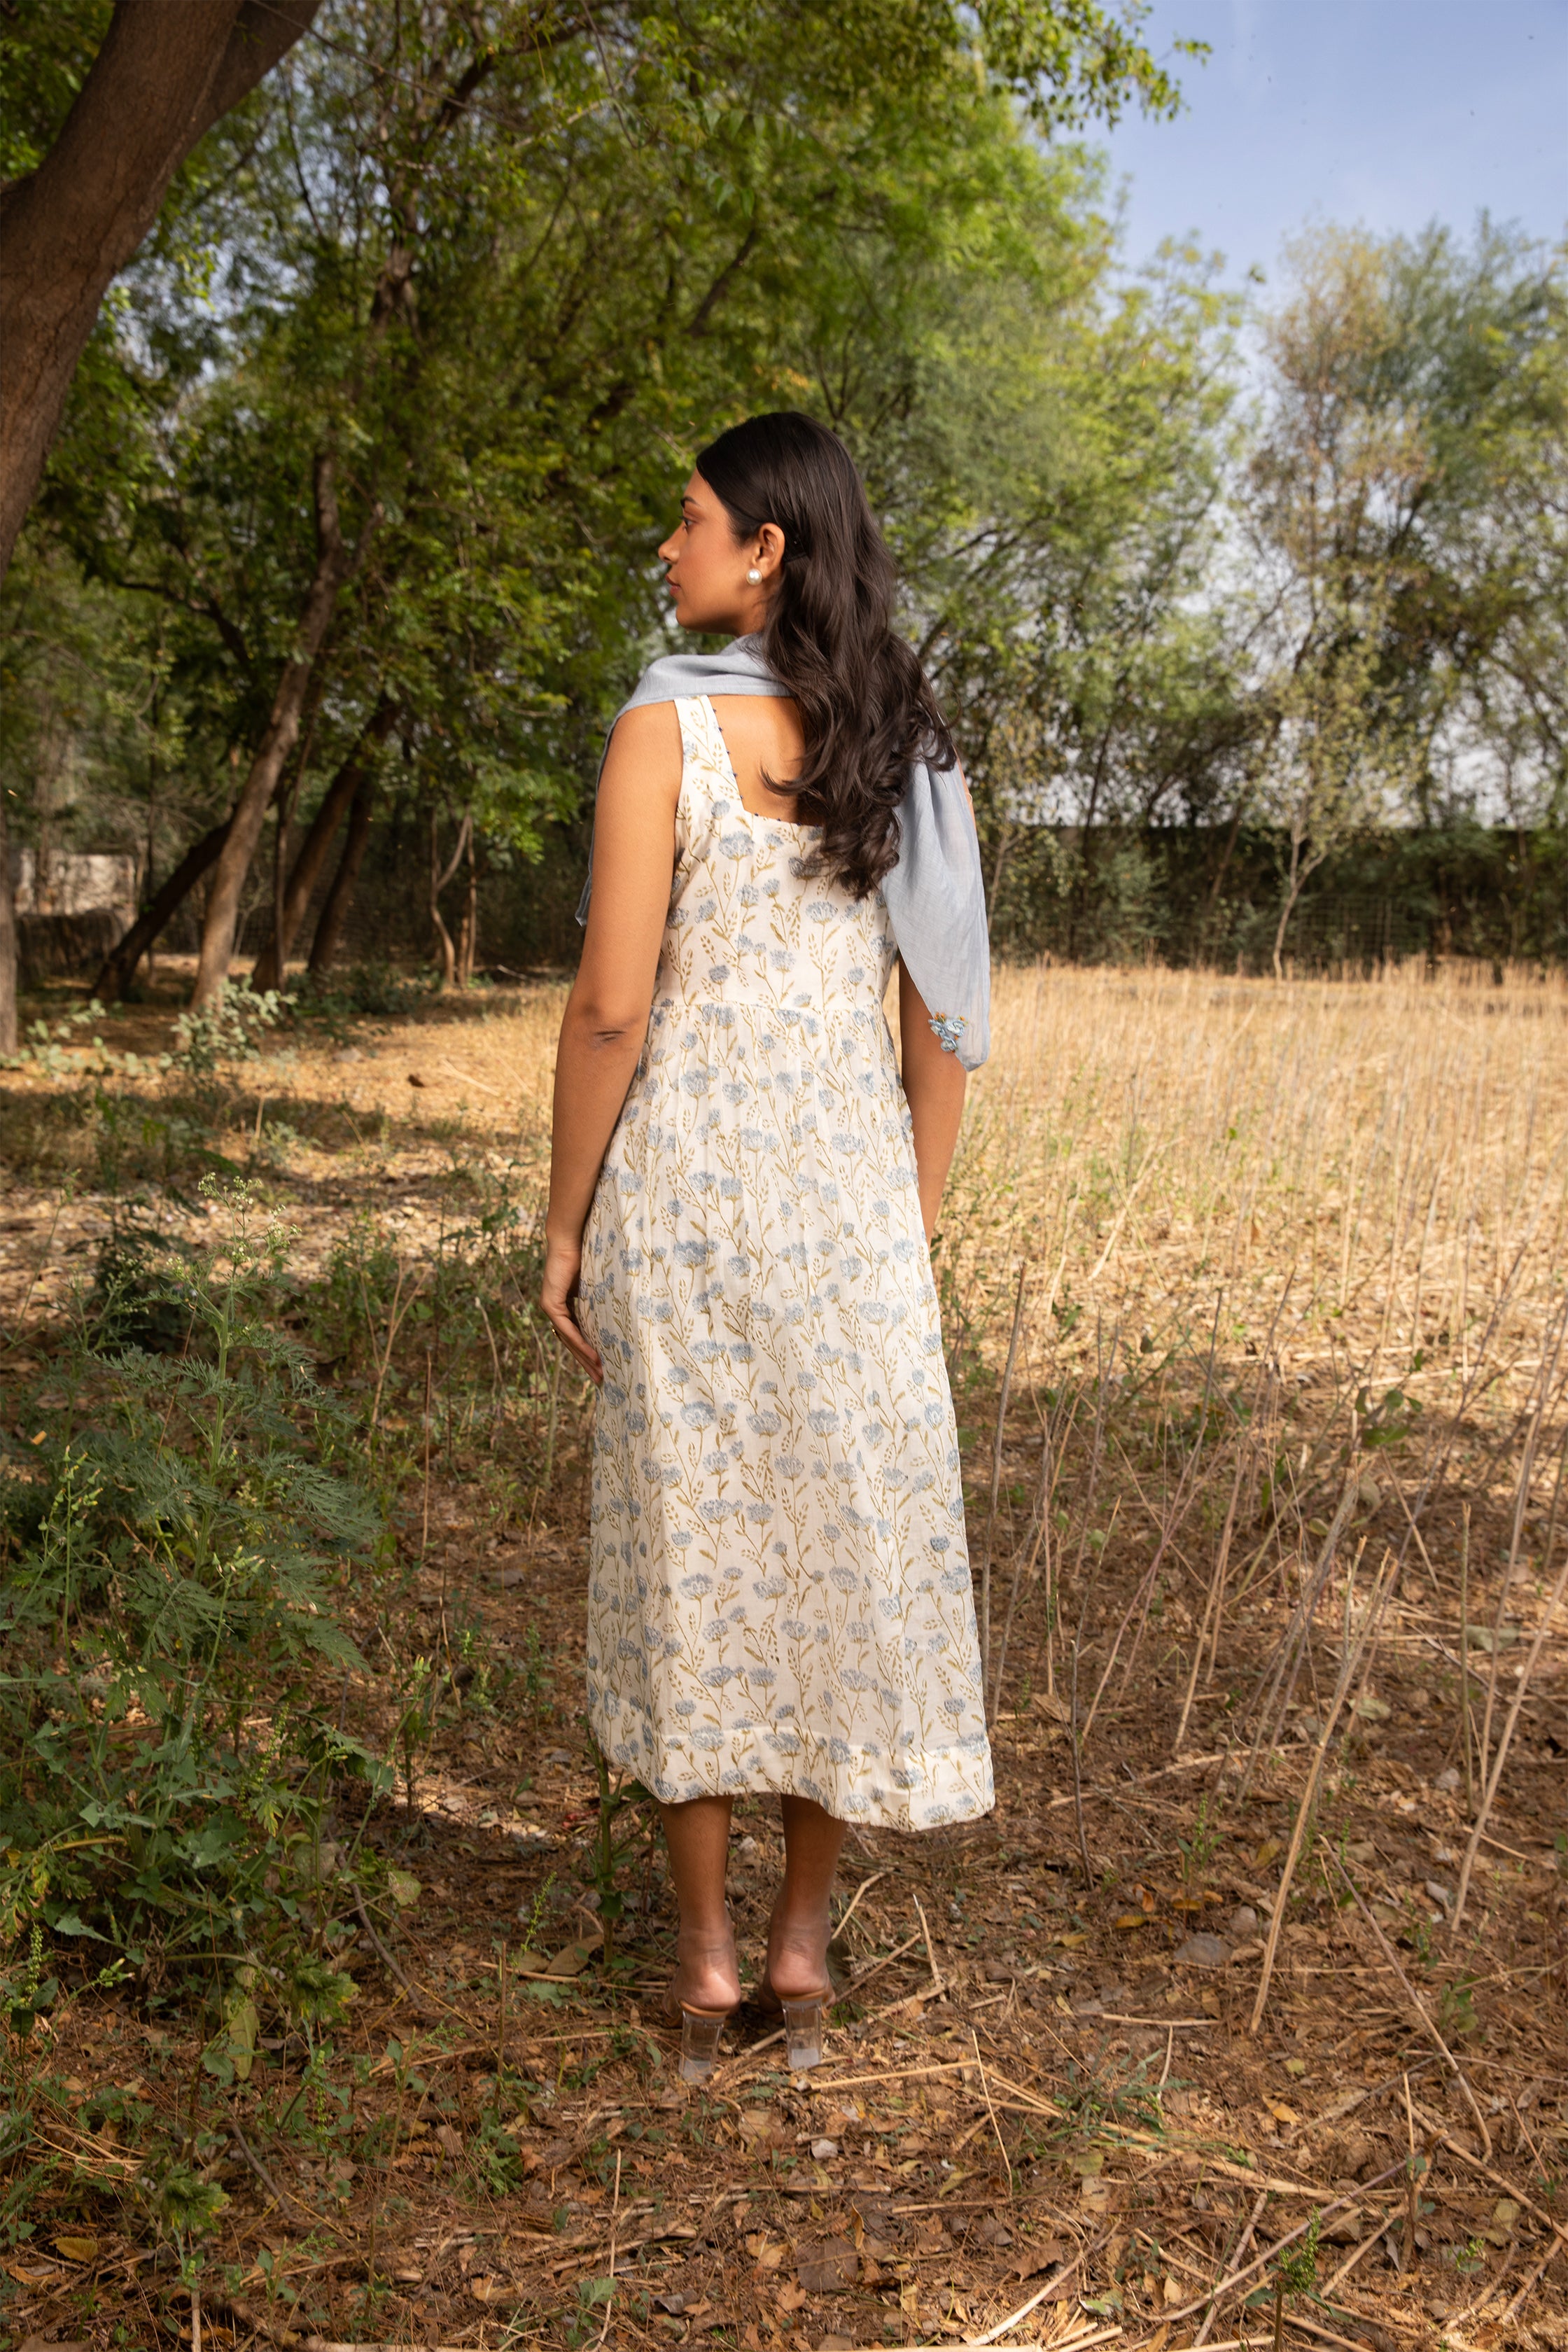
(865, 708)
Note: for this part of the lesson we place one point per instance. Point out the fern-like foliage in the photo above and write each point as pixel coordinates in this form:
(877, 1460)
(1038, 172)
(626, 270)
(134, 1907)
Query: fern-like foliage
(178, 1549)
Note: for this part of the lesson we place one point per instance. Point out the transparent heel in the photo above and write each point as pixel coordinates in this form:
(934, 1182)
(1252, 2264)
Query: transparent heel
(803, 2030)
(700, 2033)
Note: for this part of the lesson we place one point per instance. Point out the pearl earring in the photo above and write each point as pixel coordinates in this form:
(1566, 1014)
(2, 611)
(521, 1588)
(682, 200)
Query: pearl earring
(753, 575)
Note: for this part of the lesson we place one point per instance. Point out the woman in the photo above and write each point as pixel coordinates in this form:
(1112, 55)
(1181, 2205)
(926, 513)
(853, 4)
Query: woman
(741, 1200)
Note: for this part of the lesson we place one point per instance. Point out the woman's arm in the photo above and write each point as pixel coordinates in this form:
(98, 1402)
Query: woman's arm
(934, 1081)
(606, 1021)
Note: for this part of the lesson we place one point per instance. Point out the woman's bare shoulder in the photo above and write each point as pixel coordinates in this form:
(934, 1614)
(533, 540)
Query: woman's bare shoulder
(647, 731)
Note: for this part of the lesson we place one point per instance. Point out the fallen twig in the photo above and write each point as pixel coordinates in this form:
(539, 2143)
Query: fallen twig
(1529, 2285)
(1354, 2099)
(1182, 1764)
(866, 1885)
(1418, 2008)
(937, 1979)
(279, 2196)
(1260, 2261)
(415, 1992)
(863, 1976)
(1497, 2180)
(1359, 2255)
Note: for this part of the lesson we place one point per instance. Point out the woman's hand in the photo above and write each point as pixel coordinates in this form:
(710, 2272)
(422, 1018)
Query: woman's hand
(934, 1082)
(558, 1297)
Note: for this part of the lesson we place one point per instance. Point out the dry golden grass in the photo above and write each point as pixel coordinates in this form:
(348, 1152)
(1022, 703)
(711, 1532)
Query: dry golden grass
(1371, 1170)
(1388, 1158)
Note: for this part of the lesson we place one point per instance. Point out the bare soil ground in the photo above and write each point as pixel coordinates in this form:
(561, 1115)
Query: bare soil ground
(1267, 1519)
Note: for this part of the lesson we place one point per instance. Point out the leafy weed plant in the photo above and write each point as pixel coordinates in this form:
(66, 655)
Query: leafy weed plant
(175, 1532)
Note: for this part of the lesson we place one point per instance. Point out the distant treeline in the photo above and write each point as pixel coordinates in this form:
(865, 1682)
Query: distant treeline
(1173, 895)
(1202, 895)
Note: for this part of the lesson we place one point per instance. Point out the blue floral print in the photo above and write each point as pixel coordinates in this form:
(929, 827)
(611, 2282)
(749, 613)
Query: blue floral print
(779, 1588)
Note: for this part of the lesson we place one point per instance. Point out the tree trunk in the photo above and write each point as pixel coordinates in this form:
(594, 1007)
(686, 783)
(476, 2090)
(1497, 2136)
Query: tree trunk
(120, 965)
(469, 932)
(164, 74)
(438, 881)
(8, 1039)
(287, 798)
(334, 564)
(339, 896)
(1004, 849)
(306, 869)
(1294, 880)
(1224, 866)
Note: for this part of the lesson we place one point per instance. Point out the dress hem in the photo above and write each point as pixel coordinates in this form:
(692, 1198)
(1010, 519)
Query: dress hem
(771, 1767)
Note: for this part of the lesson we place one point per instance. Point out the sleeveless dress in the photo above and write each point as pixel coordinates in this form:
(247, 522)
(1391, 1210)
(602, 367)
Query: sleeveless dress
(779, 1586)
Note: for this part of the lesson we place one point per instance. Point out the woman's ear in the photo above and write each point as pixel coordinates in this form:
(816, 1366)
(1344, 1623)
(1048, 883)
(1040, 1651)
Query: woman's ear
(770, 550)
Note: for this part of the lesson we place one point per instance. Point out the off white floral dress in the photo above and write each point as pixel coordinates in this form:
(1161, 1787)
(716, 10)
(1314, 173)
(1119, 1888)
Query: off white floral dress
(780, 1592)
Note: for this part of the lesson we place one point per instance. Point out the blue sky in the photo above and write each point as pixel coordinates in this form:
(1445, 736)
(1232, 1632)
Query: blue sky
(1385, 112)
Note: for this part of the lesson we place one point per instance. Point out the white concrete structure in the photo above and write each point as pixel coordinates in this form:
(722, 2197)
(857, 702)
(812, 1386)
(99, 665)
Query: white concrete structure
(75, 882)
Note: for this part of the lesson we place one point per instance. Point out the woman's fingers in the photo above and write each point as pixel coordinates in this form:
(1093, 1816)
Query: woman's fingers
(560, 1311)
(586, 1356)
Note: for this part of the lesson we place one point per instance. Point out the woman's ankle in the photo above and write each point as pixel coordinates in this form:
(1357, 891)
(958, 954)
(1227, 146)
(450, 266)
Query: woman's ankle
(797, 1956)
(706, 1971)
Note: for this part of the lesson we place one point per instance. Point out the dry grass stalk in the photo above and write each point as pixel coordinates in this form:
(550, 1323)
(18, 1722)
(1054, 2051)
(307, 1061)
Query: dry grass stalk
(1411, 2199)
(1002, 1400)
(1041, 1520)
(393, 1322)
(1139, 1604)
(1526, 1674)
(1277, 1685)
(1214, 1602)
(1466, 1727)
(1356, 1645)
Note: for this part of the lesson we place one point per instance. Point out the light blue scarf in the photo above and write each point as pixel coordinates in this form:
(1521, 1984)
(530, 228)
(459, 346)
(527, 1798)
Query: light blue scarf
(935, 893)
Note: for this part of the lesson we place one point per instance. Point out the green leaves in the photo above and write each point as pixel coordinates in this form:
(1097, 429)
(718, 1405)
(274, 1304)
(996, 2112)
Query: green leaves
(316, 1993)
(183, 1562)
(231, 2054)
(1072, 59)
(1388, 1419)
(185, 2205)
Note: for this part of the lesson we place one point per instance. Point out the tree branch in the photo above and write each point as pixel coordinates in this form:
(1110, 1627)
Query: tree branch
(162, 77)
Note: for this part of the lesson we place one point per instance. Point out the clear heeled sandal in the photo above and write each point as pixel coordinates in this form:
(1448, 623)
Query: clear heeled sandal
(803, 2021)
(701, 2031)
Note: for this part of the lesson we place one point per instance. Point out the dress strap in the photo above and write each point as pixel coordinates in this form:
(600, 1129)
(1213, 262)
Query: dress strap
(706, 777)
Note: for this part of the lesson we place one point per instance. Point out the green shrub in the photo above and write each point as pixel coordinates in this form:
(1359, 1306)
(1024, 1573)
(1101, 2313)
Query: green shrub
(171, 1537)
